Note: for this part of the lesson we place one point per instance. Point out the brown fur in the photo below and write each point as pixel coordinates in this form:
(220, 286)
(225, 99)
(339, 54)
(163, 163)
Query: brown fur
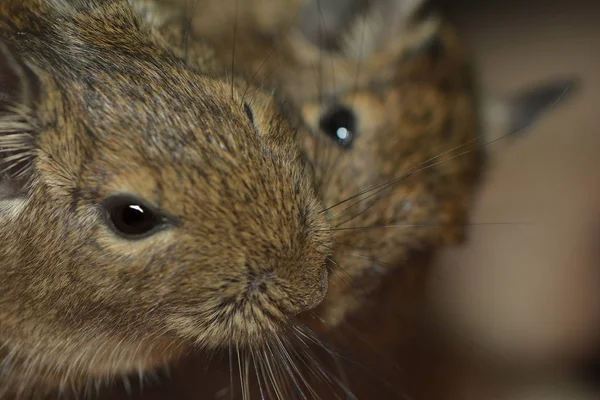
(99, 102)
(411, 90)
(246, 214)
(414, 101)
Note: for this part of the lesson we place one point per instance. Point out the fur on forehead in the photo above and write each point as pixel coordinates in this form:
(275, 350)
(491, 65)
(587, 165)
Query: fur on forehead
(359, 28)
(31, 96)
(71, 8)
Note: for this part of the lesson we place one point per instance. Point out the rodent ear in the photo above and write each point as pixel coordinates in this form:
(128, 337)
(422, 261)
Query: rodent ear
(70, 7)
(360, 28)
(19, 88)
(389, 26)
(119, 11)
(514, 114)
(157, 13)
(323, 22)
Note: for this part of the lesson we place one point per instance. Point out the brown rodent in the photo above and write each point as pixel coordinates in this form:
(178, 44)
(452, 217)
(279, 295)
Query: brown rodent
(422, 108)
(145, 289)
(407, 99)
(147, 205)
(429, 109)
(400, 79)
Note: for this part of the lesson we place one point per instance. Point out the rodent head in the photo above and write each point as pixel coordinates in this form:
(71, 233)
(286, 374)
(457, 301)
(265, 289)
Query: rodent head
(146, 203)
(394, 141)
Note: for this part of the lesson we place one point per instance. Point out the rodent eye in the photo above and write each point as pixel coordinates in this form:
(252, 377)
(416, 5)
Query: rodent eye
(339, 123)
(249, 113)
(132, 218)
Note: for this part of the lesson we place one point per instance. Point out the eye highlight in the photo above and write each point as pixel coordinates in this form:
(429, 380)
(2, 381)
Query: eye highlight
(131, 218)
(339, 123)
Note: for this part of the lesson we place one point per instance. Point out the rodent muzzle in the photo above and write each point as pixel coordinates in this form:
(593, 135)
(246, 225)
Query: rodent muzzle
(292, 294)
(317, 294)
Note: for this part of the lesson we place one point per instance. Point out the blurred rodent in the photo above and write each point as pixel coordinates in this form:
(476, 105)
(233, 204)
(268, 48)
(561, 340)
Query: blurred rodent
(394, 119)
(382, 111)
(147, 206)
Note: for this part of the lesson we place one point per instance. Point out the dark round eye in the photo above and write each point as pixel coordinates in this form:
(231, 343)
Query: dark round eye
(339, 123)
(131, 218)
(249, 113)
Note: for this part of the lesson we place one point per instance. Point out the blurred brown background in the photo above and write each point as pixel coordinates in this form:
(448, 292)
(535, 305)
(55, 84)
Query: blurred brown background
(533, 292)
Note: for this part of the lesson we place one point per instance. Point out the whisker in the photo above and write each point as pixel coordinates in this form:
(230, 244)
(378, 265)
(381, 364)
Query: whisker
(312, 337)
(187, 30)
(260, 67)
(246, 373)
(368, 207)
(352, 246)
(313, 364)
(389, 185)
(281, 374)
(261, 364)
(372, 259)
(245, 395)
(292, 369)
(320, 66)
(231, 387)
(309, 335)
(329, 167)
(127, 385)
(256, 373)
(235, 22)
(360, 52)
(348, 283)
(408, 226)
(275, 381)
(265, 79)
(328, 162)
(322, 32)
(413, 170)
(343, 377)
(380, 187)
(317, 152)
(275, 371)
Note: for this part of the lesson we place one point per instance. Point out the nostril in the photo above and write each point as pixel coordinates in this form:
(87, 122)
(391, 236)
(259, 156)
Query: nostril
(258, 283)
(294, 294)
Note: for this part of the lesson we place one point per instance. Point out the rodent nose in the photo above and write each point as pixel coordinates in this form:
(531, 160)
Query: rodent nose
(294, 296)
(312, 296)
(259, 283)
